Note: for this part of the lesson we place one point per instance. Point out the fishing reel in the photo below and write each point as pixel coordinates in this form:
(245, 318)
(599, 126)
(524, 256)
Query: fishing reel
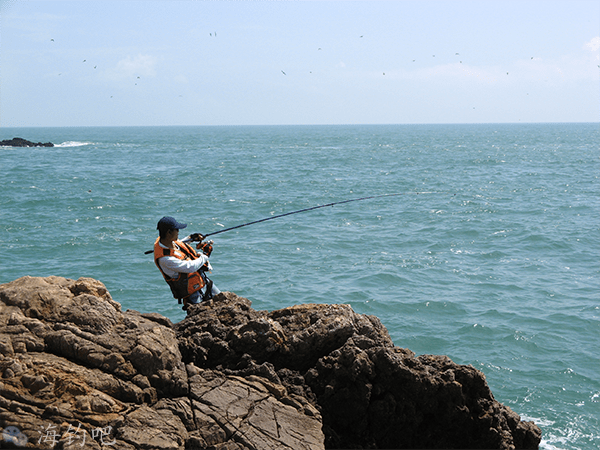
(196, 237)
(206, 247)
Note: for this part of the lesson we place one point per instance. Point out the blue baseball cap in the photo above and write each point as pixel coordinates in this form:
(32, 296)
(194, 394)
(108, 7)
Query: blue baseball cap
(169, 223)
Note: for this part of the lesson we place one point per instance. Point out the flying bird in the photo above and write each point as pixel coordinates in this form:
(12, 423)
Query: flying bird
(283, 72)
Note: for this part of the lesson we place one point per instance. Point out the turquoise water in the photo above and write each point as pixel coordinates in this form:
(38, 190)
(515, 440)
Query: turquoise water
(490, 255)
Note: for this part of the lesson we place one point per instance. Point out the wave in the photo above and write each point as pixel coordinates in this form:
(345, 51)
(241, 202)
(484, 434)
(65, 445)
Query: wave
(73, 144)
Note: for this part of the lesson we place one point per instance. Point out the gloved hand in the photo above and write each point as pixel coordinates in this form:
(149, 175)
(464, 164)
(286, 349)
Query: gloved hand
(196, 237)
(206, 247)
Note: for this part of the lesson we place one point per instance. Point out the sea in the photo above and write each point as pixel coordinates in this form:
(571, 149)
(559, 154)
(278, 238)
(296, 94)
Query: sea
(488, 251)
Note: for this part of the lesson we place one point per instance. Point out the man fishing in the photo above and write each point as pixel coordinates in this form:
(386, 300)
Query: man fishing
(183, 268)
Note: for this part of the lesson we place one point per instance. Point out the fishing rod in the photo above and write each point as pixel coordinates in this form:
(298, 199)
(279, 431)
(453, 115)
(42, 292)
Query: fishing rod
(310, 209)
(307, 209)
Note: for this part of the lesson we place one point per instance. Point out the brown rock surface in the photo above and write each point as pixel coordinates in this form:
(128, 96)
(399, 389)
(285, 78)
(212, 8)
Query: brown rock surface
(370, 393)
(76, 369)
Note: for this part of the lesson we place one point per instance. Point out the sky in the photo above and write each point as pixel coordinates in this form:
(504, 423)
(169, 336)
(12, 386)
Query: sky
(159, 62)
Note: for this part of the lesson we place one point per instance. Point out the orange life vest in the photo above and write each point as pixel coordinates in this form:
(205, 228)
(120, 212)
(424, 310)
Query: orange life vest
(185, 284)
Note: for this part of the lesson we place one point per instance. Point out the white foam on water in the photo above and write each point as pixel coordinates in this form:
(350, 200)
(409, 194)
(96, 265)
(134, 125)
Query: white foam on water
(72, 144)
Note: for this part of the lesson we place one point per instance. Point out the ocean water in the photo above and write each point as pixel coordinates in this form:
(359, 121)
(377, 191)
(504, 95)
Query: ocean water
(489, 254)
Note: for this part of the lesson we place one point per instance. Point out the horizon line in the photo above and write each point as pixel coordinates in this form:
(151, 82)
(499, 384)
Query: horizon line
(298, 125)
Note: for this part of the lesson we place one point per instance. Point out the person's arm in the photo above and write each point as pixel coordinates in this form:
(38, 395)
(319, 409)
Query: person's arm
(194, 237)
(172, 265)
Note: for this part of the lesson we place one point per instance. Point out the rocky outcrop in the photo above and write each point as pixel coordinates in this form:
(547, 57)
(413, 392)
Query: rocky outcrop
(20, 142)
(76, 369)
(370, 393)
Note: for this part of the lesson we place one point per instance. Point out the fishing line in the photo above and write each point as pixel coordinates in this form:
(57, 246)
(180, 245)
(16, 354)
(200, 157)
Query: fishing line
(311, 209)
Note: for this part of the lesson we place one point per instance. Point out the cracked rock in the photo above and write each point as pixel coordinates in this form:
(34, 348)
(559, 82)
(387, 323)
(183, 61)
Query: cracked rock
(75, 369)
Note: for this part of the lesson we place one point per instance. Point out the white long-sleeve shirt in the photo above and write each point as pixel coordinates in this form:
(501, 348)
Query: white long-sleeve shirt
(171, 265)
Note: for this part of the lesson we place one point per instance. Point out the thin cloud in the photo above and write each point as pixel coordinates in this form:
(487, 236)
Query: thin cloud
(138, 66)
(446, 73)
(593, 45)
(574, 67)
(181, 79)
(36, 27)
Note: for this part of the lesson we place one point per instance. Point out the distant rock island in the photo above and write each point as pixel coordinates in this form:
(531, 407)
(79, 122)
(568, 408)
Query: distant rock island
(75, 368)
(20, 142)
